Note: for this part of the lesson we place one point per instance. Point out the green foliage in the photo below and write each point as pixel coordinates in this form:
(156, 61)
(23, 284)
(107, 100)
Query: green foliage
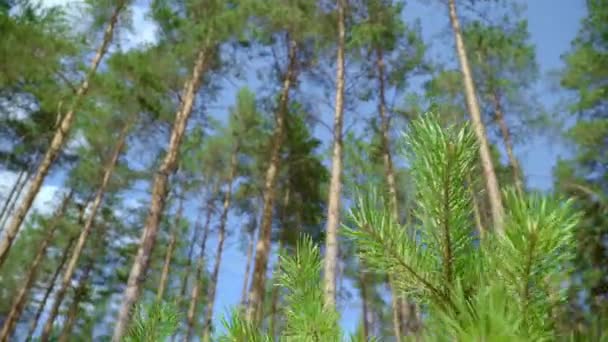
(153, 322)
(468, 288)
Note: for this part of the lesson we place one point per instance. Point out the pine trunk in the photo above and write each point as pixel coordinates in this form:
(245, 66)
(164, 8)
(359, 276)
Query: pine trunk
(220, 245)
(58, 140)
(79, 294)
(19, 302)
(49, 290)
(15, 200)
(335, 185)
(159, 193)
(258, 282)
(492, 187)
(364, 304)
(12, 195)
(196, 288)
(84, 234)
(274, 299)
(506, 138)
(247, 268)
(164, 277)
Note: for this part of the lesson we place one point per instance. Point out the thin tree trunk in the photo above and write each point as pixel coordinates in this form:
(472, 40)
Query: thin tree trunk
(84, 234)
(48, 327)
(79, 294)
(164, 277)
(49, 290)
(58, 141)
(492, 187)
(476, 211)
(196, 288)
(159, 192)
(11, 195)
(272, 327)
(19, 302)
(257, 289)
(364, 306)
(220, 245)
(506, 138)
(247, 267)
(15, 200)
(335, 185)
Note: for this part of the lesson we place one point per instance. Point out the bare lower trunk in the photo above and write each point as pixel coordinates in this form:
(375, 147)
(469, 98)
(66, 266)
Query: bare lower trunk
(506, 138)
(335, 185)
(12, 195)
(49, 290)
(84, 234)
(19, 301)
(58, 141)
(196, 287)
(364, 304)
(247, 267)
(79, 295)
(257, 289)
(478, 126)
(164, 277)
(159, 193)
(220, 246)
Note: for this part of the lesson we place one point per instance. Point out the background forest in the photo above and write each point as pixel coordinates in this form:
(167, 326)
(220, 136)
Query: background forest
(306, 170)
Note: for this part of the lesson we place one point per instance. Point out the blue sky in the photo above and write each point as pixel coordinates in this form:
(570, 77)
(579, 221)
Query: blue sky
(552, 23)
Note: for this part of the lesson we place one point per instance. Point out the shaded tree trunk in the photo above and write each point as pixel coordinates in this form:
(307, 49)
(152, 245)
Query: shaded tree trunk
(79, 295)
(492, 187)
(169, 254)
(58, 140)
(274, 299)
(247, 267)
(159, 194)
(19, 301)
(84, 234)
(257, 289)
(49, 290)
(12, 195)
(196, 287)
(335, 184)
(15, 200)
(507, 141)
(220, 245)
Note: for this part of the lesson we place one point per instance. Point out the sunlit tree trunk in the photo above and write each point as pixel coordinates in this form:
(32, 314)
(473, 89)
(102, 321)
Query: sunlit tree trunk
(220, 245)
(196, 287)
(492, 187)
(159, 194)
(335, 184)
(19, 301)
(58, 140)
(260, 266)
(84, 234)
(49, 289)
(164, 277)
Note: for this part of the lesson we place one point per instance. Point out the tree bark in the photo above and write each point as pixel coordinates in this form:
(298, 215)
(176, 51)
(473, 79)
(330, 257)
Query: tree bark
(364, 304)
(272, 326)
(492, 187)
(247, 267)
(19, 302)
(58, 140)
(159, 193)
(257, 289)
(194, 294)
(220, 245)
(508, 142)
(335, 185)
(15, 199)
(164, 277)
(11, 196)
(79, 294)
(49, 290)
(84, 234)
